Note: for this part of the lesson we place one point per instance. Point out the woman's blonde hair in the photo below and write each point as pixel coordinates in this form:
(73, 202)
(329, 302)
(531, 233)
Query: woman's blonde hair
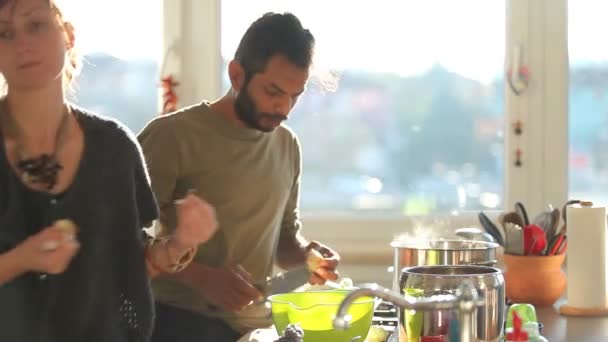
(73, 58)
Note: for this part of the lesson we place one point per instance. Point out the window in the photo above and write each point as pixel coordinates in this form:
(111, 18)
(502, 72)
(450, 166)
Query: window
(119, 77)
(588, 100)
(416, 125)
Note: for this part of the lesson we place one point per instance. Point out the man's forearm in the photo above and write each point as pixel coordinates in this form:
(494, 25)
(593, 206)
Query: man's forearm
(291, 251)
(193, 275)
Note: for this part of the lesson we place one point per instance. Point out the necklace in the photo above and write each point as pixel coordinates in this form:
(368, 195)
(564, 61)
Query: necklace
(44, 168)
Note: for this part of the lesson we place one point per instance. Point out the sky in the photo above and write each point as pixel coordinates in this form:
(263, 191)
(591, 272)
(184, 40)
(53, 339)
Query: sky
(399, 36)
(128, 29)
(587, 28)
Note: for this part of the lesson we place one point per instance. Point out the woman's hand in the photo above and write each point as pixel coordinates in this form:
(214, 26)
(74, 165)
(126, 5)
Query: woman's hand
(49, 251)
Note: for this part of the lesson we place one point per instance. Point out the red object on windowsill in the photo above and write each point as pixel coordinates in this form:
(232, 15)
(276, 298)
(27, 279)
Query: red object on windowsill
(168, 85)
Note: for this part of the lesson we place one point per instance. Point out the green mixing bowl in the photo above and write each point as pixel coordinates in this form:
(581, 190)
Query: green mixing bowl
(315, 313)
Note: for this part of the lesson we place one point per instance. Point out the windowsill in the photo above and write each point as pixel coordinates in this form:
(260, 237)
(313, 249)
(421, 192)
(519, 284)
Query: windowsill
(365, 239)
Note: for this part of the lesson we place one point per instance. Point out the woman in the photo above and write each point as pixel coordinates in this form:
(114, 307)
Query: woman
(74, 197)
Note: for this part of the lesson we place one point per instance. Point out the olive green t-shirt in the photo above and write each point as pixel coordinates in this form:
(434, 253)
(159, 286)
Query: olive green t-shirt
(251, 178)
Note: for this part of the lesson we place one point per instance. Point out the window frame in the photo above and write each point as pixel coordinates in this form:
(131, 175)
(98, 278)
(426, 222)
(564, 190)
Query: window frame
(540, 27)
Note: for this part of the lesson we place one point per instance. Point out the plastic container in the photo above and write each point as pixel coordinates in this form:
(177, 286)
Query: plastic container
(517, 334)
(315, 312)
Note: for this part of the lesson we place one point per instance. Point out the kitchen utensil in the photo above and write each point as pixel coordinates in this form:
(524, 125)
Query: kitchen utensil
(548, 220)
(315, 311)
(551, 244)
(488, 319)
(544, 219)
(555, 244)
(554, 228)
(563, 246)
(521, 210)
(444, 252)
(535, 240)
(515, 239)
(286, 281)
(491, 228)
(512, 217)
(474, 234)
(440, 252)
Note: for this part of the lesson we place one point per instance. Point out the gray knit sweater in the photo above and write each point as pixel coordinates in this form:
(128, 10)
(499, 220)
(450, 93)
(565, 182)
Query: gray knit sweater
(104, 295)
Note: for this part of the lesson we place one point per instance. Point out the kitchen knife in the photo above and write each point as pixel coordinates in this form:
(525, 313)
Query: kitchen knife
(286, 281)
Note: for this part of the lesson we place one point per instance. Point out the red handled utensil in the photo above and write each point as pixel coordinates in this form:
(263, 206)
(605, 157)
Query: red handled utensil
(535, 240)
(563, 246)
(556, 244)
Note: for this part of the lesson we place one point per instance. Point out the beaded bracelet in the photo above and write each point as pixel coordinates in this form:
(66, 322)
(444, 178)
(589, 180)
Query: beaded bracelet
(175, 264)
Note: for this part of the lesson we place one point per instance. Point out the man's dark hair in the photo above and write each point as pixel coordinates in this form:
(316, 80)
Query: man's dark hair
(275, 34)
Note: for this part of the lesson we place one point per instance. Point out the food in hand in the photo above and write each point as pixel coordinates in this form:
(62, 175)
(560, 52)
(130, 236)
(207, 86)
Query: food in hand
(292, 333)
(313, 260)
(67, 226)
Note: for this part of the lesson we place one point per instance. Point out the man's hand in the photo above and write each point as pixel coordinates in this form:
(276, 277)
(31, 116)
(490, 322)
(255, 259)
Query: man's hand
(323, 262)
(196, 222)
(229, 288)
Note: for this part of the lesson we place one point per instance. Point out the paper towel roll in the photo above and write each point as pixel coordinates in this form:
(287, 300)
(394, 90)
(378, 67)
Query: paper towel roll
(587, 266)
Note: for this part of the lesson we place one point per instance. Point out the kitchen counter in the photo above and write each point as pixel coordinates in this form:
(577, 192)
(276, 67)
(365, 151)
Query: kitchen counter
(558, 328)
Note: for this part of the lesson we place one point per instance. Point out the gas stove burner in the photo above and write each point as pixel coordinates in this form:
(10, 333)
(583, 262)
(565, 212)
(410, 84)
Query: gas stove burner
(385, 316)
(386, 309)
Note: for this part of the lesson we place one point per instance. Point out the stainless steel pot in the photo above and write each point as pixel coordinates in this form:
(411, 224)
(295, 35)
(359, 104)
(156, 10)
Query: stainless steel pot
(409, 253)
(425, 281)
(445, 252)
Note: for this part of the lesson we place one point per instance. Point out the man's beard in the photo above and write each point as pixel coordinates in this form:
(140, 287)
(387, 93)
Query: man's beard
(248, 113)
